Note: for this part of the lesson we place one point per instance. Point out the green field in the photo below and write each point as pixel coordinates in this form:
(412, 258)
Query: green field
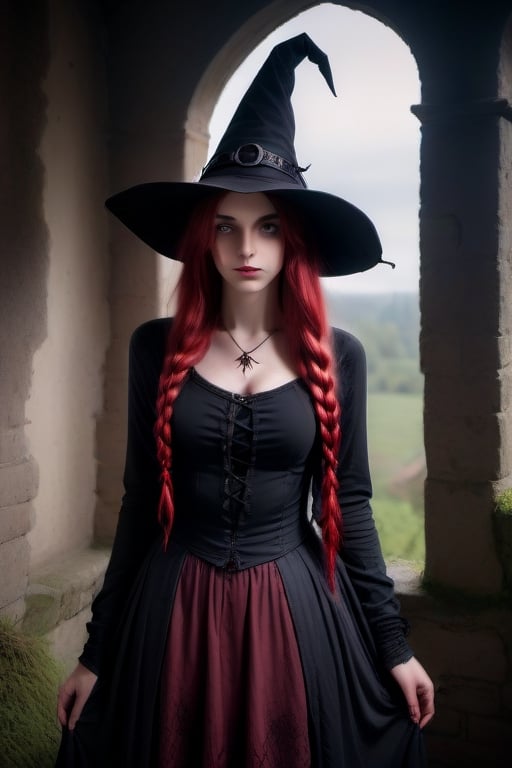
(395, 436)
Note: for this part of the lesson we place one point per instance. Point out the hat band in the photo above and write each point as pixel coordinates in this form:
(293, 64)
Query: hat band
(251, 155)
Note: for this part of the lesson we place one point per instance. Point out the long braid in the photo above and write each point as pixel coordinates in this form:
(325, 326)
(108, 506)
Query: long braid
(196, 317)
(309, 342)
(315, 370)
(177, 363)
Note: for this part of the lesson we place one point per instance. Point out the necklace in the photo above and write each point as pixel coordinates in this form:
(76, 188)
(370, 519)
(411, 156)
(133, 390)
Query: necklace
(245, 360)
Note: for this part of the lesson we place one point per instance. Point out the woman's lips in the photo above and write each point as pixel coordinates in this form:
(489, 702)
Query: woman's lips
(247, 270)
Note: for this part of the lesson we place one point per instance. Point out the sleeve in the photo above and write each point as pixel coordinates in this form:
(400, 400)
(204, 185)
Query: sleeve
(137, 527)
(360, 550)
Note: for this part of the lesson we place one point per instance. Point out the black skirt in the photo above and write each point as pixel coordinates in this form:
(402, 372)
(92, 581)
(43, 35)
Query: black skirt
(355, 716)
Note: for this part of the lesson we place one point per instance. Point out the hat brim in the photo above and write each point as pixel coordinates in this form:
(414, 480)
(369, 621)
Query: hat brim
(158, 213)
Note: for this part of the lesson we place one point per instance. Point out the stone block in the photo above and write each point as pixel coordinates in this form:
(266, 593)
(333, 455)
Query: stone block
(12, 444)
(440, 355)
(472, 355)
(109, 484)
(505, 376)
(18, 482)
(494, 733)
(452, 650)
(43, 609)
(447, 722)
(407, 579)
(462, 445)
(456, 753)
(484, 352)
(506, 695)
(14, 556)
(463, 695)
(459, 534)
(105, 523)
(14, 611)
(67, 640)
(15, 521)
(448, 303)
(63, 588)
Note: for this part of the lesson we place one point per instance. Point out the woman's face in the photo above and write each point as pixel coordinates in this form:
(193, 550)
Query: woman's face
(248, 249)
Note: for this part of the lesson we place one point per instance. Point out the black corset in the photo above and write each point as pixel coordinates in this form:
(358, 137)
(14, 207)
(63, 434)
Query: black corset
(241, 472)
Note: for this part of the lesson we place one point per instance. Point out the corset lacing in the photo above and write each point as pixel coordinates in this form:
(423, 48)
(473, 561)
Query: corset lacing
(238, 461)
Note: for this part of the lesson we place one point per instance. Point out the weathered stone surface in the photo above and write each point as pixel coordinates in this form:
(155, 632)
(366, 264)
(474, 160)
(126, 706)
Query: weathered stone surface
(18, 482)
(451, 752)
(492, 732)
(68, 638)
(406, 578)
(470, 651)
(463, 695)
(459, 537)
(14, 556)
(14, 611)
(507, 698)
(447, 722)
(464, 446)
(12, 443)
(63, 588)
(15, 521)
(473, 355)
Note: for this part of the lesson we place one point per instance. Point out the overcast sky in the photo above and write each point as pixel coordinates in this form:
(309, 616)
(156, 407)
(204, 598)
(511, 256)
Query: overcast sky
(363, 145)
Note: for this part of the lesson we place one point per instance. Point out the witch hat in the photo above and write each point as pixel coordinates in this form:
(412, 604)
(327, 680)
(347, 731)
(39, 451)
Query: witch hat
(257, 154)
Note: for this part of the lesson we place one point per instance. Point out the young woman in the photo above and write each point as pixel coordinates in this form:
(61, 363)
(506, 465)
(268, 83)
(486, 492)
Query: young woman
(229, 633)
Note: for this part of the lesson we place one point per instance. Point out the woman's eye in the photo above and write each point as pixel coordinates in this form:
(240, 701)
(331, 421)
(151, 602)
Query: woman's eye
(223, 228)
(270, 228)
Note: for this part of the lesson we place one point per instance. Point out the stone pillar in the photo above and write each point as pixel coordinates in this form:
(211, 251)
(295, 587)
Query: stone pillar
(24, 265)
(465, 341)
(147, 144)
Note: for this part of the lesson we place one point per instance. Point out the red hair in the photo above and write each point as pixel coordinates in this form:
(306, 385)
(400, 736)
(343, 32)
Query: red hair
(307, 332)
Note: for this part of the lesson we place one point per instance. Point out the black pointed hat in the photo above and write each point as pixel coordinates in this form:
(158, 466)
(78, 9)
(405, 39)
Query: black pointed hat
(257, 154)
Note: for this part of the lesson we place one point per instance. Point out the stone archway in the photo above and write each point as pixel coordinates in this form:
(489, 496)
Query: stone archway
(461, 485)
(464, 55)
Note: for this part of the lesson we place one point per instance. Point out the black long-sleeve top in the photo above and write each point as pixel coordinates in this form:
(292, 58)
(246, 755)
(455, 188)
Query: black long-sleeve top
(283, 457)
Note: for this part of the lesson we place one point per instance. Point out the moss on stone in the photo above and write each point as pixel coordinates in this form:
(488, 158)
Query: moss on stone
(502, 524)
(29, 675)
(42, 613)
(504, 502)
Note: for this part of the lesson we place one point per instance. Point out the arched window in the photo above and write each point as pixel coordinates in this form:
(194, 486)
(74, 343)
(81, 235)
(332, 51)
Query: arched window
(364, 146)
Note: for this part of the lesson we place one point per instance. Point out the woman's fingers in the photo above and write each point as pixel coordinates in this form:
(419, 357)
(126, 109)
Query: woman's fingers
(426, 704)
(64, 702)
(73, 694)
(418, 690)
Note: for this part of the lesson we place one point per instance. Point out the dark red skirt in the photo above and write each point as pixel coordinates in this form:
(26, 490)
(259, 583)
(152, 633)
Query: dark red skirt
(232, 693)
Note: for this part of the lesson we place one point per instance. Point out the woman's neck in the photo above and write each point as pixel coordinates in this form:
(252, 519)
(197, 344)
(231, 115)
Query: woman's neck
(251, 314)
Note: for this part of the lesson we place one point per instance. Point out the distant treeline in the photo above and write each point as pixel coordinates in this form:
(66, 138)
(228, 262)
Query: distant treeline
(388, 326)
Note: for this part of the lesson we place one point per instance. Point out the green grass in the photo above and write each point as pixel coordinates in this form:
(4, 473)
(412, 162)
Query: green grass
(395, 437)
(29, 734)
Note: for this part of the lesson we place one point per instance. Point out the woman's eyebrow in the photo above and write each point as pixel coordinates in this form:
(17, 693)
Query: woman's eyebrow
(265, 217)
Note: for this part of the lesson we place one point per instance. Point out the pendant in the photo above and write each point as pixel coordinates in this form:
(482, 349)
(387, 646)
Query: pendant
(245, 361)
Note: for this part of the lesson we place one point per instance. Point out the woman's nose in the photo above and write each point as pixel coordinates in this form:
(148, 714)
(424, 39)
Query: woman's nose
(247, 247)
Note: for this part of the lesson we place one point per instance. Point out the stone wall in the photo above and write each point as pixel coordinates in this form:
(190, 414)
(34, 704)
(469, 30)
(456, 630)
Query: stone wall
(72, 290)
(24, 265)
(54, 281)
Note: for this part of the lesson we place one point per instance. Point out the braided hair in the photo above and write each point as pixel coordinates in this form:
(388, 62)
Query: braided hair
(305, 321)
(198, 315)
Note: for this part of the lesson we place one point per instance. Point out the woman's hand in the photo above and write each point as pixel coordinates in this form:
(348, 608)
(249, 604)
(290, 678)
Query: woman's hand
(418, 690)
(73, 694)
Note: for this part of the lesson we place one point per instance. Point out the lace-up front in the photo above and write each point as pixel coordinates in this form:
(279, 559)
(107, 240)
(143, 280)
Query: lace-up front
(254, 459)
(238, 459)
